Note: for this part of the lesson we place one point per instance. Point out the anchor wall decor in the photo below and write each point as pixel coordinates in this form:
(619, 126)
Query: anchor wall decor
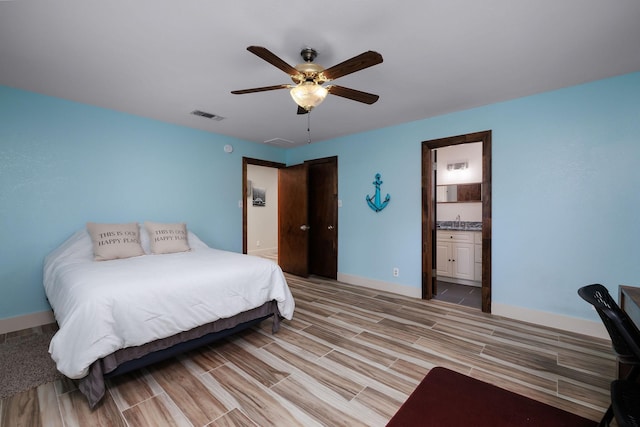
(374, 201)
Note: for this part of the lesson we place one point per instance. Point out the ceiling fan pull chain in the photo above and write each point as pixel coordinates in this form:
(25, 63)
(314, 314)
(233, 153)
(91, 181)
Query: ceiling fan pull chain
(309, 127)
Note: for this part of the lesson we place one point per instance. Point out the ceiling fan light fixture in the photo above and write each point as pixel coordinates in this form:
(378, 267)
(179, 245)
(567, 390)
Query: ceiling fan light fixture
(308, 94)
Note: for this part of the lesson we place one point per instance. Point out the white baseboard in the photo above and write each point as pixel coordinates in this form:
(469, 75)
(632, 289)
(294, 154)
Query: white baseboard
(543, 318)
(552, 320)
(27, 321)
(379, 285)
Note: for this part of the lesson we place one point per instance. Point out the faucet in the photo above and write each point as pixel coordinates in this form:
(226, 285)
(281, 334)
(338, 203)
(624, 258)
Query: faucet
(458, 221)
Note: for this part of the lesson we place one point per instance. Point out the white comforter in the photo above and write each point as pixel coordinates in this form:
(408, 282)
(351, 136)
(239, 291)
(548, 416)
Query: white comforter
(103, 306)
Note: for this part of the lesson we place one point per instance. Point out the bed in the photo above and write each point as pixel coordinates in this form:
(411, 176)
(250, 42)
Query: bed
(121, 312)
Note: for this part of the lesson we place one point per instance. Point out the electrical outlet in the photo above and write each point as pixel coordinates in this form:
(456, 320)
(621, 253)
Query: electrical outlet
(258, 243)
(396, 271)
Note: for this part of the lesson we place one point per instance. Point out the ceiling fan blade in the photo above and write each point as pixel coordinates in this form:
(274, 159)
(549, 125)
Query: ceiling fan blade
(355, 95)
(302, 110)
(260, 89)
(357, 63)
(272, 59)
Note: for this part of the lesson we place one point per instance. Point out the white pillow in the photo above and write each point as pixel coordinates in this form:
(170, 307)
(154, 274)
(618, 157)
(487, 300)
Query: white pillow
(115, 241)
(167, 238)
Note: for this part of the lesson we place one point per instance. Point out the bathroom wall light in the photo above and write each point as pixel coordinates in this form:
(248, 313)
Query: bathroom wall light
(457, 166)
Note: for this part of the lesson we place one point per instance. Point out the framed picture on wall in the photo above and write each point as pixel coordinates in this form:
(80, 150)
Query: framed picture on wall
(259, 196)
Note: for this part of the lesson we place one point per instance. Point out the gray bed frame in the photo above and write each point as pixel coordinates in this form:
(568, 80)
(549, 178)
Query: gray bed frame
(132, 358)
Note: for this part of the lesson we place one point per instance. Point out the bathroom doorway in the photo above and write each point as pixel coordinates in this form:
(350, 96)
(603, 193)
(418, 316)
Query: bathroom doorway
(430, 264)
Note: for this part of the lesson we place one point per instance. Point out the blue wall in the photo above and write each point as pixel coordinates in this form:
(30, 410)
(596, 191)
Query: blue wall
(566, 194)
(63, 164)
(566, 186)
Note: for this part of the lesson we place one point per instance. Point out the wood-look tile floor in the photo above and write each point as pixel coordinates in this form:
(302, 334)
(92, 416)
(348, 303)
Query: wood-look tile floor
(350, 357)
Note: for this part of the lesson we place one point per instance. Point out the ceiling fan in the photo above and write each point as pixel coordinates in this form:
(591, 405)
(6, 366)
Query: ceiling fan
(309, 77)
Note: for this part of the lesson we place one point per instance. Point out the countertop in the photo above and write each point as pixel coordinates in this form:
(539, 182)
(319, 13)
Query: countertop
(459, 225)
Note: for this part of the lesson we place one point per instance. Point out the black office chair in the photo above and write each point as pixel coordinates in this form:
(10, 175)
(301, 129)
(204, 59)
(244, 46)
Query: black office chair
(625, 399)
(625, 336)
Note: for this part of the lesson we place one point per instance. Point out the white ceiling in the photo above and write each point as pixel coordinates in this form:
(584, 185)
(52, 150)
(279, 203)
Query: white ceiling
(165, 58)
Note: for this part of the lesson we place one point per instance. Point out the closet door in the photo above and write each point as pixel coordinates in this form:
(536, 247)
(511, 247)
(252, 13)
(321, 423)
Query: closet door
(323, 217)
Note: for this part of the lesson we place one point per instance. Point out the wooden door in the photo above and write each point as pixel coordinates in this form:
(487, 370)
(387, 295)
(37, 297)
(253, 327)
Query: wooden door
(429, 249)
(293, 226)
(323, 217)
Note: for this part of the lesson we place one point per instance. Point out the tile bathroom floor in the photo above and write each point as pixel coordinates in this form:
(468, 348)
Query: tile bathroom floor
(469, 296)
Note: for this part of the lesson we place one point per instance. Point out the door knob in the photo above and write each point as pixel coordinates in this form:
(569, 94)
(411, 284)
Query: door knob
(330, 227)
(304, 227)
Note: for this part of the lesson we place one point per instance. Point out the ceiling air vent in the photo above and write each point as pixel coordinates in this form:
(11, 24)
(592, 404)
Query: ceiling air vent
(279, 142)
(207, 115)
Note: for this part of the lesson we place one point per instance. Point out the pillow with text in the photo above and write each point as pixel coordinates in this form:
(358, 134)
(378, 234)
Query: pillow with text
(115, 241)
(167, 238)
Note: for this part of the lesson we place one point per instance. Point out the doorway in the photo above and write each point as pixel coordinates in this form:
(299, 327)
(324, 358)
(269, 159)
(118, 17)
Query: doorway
(429, 206)
(247, 193)
(307, 215)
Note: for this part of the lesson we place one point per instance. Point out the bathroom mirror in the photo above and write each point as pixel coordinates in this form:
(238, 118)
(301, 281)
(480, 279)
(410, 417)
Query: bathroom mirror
(457, 193)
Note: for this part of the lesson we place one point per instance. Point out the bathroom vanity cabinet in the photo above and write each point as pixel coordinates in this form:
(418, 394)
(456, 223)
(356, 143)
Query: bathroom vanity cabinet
(456, 256)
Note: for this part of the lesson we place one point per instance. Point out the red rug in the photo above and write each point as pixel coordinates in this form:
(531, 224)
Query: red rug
(446, 398)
